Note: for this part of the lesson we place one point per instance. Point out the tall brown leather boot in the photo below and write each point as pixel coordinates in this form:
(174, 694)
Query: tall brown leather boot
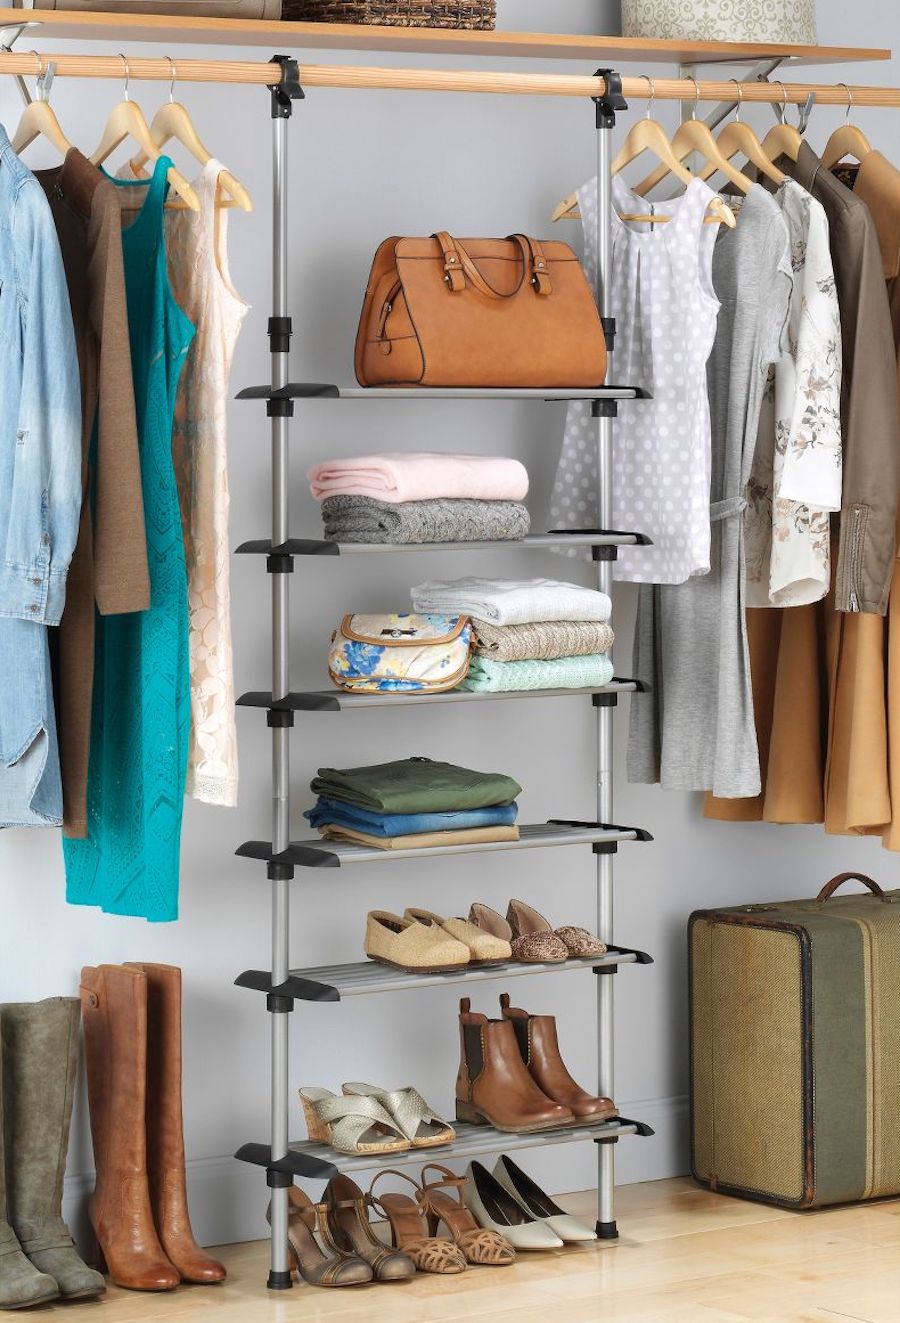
(165, 1127)
(539, 1048)
(493, 1085)
(114, 1013)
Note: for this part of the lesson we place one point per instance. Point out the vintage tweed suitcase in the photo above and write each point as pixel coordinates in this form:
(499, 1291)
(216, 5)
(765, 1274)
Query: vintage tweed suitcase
(795, 1048)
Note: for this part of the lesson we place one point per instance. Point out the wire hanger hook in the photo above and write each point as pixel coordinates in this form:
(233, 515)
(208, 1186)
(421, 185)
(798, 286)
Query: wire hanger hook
(696, 96)
(652, 87)
(174, 72)
(846, 87)
(127, 68)
(782, 109)
(738, 114)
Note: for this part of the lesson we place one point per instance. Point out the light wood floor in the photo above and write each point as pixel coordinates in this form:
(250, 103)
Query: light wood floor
(684, 1256)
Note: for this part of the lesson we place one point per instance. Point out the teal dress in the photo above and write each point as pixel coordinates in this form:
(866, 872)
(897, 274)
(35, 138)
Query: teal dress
(141, 709)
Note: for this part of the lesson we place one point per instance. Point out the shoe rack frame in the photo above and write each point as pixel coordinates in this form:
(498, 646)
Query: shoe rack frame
(285, 80)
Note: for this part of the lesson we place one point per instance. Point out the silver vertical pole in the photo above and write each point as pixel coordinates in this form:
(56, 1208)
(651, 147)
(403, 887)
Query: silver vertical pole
(281, 768)
(605, 984)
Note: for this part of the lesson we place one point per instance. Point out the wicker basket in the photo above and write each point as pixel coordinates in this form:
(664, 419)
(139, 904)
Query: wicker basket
(395, 13)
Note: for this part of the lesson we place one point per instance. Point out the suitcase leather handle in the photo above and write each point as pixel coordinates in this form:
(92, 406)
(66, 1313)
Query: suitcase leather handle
(831, 887)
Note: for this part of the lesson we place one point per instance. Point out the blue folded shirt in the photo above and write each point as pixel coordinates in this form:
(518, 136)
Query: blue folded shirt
(406, 824)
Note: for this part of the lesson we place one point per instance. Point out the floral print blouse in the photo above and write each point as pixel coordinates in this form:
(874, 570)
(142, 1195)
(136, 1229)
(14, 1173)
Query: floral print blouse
(795, 482)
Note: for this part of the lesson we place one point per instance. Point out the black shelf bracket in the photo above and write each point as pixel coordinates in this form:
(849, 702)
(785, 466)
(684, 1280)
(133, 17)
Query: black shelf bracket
(280, 1172)
(302, 856)
(612, 101)
(288, 89)
(606, 408)
(292, 989)
(640, 958)
(294, 390)
(639, 833)
(285, 550)
(641, 1128)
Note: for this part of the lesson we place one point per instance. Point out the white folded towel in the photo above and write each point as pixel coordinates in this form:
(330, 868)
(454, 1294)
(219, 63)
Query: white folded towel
(421, 477)
(512, 602)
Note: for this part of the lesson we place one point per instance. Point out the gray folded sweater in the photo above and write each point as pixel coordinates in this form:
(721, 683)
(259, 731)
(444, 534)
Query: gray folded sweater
(362, 519)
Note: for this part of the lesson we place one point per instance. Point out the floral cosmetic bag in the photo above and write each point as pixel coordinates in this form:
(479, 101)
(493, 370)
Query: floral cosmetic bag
(403, 653)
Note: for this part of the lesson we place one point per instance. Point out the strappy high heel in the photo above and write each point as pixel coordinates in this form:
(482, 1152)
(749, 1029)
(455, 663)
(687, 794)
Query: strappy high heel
(351, 1232)
(411, 1114)
(408, 1221)
(350, 1124)
(307, 1256)
(478, 1244)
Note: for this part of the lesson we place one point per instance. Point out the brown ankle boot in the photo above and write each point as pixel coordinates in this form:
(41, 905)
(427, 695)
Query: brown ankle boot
(493, 1085)
(165, 1128)
(114, 1013)
(539, 1049)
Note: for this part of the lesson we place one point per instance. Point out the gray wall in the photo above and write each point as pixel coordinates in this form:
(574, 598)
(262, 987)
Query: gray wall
(364, 165)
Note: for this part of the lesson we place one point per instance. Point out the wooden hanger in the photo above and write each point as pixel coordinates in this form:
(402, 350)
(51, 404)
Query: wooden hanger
(696, 136)
(784, 139)
(739, 137)
(647, 135)
(848, 140)
(173, 121)
(38, 118)
(127, 121)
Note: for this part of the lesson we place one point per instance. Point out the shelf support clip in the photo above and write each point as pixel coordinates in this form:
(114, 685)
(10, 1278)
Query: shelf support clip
(288, 89)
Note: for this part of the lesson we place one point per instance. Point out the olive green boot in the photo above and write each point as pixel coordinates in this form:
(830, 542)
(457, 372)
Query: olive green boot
(20, 1282)
(40, 1041)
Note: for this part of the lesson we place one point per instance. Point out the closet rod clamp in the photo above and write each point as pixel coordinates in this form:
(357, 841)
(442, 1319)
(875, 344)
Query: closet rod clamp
(612, 99)
(279, 331)
(604, 408)
(288, 90)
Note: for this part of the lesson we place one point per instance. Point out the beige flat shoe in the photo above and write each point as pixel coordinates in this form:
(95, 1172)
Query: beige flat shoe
(413, 1116)
(414, 947)
(484, 948)
(531, 949)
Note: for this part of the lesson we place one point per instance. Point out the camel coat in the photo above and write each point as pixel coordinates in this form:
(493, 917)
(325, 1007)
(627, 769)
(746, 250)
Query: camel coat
(826, 684)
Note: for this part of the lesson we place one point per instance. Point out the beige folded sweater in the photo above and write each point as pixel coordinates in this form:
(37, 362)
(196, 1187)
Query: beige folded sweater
(544, 640)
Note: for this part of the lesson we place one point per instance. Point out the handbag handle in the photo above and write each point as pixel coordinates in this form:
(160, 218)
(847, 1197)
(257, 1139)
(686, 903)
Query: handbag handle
(831, 887)
(458, 264)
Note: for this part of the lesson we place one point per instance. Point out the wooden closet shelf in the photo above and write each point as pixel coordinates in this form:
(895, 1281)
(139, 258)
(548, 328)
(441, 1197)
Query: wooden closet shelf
(275, 35)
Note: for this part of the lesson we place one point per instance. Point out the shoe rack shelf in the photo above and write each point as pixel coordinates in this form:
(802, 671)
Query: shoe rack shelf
(534, 542)
(318, 853)
(333, 700)
(336, 982)
(473, 1141)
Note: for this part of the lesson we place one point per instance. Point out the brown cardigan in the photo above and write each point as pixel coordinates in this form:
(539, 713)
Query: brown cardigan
(109, 566)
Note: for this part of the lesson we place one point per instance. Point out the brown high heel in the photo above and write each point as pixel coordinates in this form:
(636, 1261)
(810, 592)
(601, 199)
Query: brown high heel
(350, 1231)
(539, 1047)
(408, 1221)
(478, 1244)
(306, 1232)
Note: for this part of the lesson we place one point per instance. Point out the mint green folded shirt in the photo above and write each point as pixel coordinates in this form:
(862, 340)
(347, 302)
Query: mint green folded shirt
(415, 785)
(589, 672)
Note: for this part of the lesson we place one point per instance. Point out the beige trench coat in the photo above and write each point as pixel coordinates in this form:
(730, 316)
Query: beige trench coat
(837, 760)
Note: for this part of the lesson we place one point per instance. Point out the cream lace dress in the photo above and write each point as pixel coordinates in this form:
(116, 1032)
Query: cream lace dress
(196, 245)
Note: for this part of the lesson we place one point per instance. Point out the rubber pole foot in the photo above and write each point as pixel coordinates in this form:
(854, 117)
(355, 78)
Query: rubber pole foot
(279, 1281)
(607, 1231)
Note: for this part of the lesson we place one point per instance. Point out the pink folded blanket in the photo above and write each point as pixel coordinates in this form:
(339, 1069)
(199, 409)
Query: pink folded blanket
(421, 477)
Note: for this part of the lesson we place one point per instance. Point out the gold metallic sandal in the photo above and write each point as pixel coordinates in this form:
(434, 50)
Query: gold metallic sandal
(305, 1248)
(408, 1221)
(478, 1244)
(351, 1124)
(350, 1231)
(410, 1113)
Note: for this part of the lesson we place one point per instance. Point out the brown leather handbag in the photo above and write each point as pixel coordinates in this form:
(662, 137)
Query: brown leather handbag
(505, 313)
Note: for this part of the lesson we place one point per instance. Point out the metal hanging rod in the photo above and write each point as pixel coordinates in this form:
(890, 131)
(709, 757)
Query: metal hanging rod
(443, 80)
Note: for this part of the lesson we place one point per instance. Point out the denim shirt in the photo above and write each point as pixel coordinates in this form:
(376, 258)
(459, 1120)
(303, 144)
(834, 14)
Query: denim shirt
(40, 404)
(40, 488)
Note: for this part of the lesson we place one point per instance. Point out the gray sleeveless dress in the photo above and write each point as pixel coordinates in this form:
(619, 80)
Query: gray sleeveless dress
(695, 729)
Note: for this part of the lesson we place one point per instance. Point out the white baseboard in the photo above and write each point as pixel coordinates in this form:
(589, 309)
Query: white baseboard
(228, 1198)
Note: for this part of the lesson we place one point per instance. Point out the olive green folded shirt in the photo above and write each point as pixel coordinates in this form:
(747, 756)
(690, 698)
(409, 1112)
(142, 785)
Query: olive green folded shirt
(415, 785)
